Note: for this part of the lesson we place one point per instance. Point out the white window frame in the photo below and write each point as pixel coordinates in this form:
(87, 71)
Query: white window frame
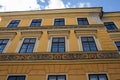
(95, 39)
(59, 18)
(36, 18)
(57, 74)
(7, 45)
(21, 42)
(50, 43)
(26, 76)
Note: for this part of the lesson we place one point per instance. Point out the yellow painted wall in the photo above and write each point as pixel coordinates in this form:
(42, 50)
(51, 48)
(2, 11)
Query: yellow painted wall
(72, 71)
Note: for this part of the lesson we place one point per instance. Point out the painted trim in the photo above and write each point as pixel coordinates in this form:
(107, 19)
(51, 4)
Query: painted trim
(50, 43)
(33, 19)
(26, 75)
(95, 39)
(21, 42)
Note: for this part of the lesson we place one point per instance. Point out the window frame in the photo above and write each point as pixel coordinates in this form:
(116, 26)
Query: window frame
(7, 45)
(17, 75)
(115, 44)
(58, 44)
(98, 75)
(50, 43)
(21, 43)
(98, 46)
(115, 28)
(59, 19)
(13, 20)
(57, 76)
(36, 19)
(82, 18)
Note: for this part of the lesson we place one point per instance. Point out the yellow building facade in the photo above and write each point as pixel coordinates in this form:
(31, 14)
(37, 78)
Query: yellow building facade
(63, 44)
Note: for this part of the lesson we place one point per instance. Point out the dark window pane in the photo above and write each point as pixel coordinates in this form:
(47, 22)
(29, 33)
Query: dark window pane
(82, 21)
(59, 22)
(97, 77)
(36, 22)
(13, 24)
(110, 25)
(118, 45)
(3, 43)
(58, 45)
(28, 45)
(56, 77)
(88, 44)
(16, 78)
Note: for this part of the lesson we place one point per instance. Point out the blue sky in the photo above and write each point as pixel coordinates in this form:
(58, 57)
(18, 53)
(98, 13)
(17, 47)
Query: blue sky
(25, 5)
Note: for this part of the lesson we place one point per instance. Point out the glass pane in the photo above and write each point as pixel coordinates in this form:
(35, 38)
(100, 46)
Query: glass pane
(26, 40)
(21, 78)
(61, 78)
(11, 78)
(33, 40)
(30, 50)
(31, 46)
(117, 43)
(55, 39)
(84, 39)
(90, 39)
(61, 40)
(61, 45)
(24, 45)
(5, 41)
(86, 48)
(1, 41)
(61, 49)
(93, 48)
(93, 77)
(102, 77)
(54, 49)
(23, 50)
(52, 77)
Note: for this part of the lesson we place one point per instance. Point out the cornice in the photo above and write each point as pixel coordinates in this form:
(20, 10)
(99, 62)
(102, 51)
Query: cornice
(66, 56)
(53, 11)
(75, 27)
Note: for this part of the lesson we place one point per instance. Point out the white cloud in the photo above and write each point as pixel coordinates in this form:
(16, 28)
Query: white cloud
(42, 1)
(55, 4)
(68, 5)
(18, 5)
(87, 4)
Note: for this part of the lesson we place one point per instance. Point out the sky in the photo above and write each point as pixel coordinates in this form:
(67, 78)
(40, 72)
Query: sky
(27, 5)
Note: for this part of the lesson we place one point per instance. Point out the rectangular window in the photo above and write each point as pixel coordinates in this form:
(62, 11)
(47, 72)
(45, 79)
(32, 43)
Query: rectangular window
(98, 77)
(58, 44)
(110, 25)
(118, 44)
(59, 22)
(36, 23)
(13, 24)
(3, 43)
(16, 78)
(56, 77)
(82, 21)
(28, 45)
(88, 44)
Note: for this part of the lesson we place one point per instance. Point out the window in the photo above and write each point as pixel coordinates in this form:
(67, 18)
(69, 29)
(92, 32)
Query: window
(98, 77)
(16, 78)
(88, 44)
(110, 25)
(13, 24)
(59, 22)
(28, 45)
(36, 22)
(58, 44)
(56, 77)
(82, 21)
(3, 43)
(118, 45)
